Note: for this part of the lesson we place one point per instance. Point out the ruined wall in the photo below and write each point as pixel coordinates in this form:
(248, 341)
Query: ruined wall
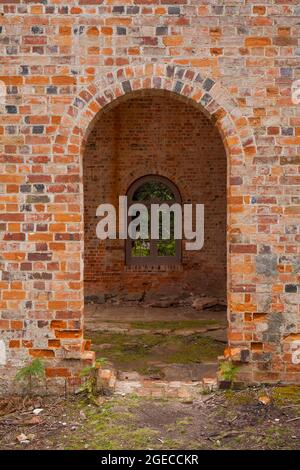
(155, 134)
(61, 64)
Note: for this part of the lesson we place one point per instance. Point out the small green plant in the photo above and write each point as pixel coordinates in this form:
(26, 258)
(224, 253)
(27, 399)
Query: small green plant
(89, 386)
(35, 369)
(228, 371)
(101, 361)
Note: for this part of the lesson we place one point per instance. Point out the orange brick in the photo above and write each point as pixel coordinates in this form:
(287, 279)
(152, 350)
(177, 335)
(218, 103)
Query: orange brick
(54, 343)
(63, 334)
(257, 41)
(107, 30)
(57, 305)
(16, 325)
(63, 80)
(46, 353)
(57, 372)
(58, 324)
(173, 40)
(4, 325)
(14, 295)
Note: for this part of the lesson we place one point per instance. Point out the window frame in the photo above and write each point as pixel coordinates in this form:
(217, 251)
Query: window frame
(153, 259)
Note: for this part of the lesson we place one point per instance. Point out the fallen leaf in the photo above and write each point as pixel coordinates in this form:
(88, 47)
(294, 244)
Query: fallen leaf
(265, 400)
(32, 421)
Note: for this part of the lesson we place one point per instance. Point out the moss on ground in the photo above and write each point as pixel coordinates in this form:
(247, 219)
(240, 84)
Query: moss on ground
(114, 427)
(243, 397)
(286, 394)
(235, 421)
(172, 325)
(141, 352)
(226, 420)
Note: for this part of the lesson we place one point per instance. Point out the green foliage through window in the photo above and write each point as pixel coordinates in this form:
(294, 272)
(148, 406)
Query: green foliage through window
(153, 190)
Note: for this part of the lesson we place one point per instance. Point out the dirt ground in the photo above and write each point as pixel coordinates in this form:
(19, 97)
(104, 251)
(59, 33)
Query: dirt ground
(173, 343)
(254, 418)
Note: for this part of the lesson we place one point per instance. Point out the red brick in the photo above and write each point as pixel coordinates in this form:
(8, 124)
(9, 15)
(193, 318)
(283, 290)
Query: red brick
(53, 141)
(46, 353)
(57, 372)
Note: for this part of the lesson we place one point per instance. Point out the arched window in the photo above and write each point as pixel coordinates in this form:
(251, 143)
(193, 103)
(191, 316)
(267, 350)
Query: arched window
(153, 189)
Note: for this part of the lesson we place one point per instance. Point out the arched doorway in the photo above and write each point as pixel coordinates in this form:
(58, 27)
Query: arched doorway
(154, 147)
(214, 100)
(153, 133)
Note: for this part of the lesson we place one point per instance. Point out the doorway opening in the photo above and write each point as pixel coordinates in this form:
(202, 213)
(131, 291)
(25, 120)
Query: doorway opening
(151, 308)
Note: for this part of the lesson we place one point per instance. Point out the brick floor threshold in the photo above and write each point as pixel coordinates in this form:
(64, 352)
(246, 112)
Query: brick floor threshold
(134, 384)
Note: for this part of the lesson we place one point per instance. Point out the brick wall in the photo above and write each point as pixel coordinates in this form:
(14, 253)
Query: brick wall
(61, 64)
(155, 134)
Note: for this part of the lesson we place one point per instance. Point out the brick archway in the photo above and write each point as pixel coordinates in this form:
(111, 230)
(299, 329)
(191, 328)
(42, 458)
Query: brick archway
(186, 84)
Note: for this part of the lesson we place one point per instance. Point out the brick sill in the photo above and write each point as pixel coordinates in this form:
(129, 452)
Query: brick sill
(154, 268)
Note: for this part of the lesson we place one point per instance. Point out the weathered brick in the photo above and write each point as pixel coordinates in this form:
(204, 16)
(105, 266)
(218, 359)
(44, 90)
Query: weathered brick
(44, 353)
(61, 64)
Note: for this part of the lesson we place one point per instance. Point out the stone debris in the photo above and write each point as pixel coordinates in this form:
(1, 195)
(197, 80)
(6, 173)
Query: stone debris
(163, 303)
(23, 439)
(95, 299)
(106, 381)
(201, 303)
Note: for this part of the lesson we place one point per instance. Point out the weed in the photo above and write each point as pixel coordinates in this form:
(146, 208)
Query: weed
(35, 369)
(90, 385)
(228, 371)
